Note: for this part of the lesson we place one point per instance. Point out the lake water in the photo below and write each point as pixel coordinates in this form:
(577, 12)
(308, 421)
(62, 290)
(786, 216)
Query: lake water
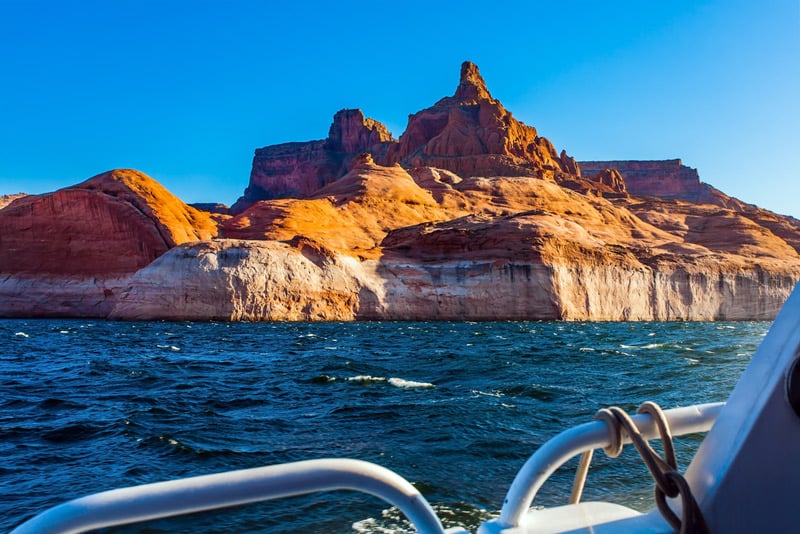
(455, 408)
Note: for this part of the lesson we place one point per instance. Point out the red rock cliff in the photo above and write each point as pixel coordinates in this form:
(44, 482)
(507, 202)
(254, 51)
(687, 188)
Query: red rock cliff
(114, 223)
(469, 133)
(296, 170)
(664, 179)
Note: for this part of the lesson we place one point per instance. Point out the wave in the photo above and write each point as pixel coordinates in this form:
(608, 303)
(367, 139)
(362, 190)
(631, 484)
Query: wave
(393, 521)
(487, 393)
(402, 383)
(393, 381)
(323, 379)
(72, 433)
(366, 379)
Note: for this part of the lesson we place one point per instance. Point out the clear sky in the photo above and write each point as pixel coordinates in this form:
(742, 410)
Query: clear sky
(186, 90)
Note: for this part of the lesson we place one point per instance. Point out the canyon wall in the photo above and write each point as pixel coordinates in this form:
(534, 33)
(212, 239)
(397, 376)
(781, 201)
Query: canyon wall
(469, 215)
(263, 281)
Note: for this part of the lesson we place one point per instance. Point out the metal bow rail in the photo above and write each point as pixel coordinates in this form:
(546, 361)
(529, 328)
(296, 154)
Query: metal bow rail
(586, 437)
(208, 492)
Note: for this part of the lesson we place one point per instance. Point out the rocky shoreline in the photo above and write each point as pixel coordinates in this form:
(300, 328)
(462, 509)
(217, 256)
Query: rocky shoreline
(469, 215)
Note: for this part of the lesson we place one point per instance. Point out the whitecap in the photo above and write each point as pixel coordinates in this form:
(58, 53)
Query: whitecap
(487, 394)
(402, 383)
(586, 349)
(366, 379)
(21, 334)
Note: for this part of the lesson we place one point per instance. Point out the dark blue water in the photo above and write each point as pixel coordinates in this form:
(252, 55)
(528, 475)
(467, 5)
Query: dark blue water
(456, 408)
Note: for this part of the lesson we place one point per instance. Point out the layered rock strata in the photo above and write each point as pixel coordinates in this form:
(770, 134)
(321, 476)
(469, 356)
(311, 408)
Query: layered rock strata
(664, 179)
(296, 170)
(469, 133)
(470, 215)
(502, 248)
(68, 253)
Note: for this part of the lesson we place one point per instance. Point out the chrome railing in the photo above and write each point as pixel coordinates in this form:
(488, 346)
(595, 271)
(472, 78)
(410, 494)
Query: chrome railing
(582, 438)
(208, 492)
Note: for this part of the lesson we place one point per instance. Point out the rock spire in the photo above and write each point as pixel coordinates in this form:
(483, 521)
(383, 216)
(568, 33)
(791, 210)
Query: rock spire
(471, 85)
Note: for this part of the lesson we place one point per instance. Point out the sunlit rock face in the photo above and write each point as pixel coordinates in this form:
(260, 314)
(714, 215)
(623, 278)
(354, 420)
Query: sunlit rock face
(472, 134)
(469, 133)
(296, 170)
(67, 252)
(433, 246)
(245, 280)
(5, 200)
(469, 215)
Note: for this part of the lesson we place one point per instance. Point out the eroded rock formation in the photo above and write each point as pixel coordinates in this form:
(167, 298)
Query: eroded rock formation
(114, 223)
(296, 170)
(470, 215)
(469, 133)
(472, 134)
(68, 253)
(664, 179)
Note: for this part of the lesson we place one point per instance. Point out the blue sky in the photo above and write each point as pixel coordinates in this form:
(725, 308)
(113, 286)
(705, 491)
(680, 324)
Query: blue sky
(186, 90)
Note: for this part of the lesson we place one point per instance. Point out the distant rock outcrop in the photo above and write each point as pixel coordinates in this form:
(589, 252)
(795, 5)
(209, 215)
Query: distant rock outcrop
(663, 179)
(296, 170)
(212, 207)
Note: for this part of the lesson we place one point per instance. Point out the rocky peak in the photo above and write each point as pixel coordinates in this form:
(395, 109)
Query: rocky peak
(471, 86)
(352, 132)
(469, 134)
(363, 160)
(472, 134)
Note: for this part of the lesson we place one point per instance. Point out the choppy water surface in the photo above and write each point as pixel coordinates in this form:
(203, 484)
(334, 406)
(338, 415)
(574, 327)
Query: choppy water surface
(456, 408)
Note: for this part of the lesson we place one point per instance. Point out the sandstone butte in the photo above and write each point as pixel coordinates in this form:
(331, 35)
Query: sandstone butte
(468, 215)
